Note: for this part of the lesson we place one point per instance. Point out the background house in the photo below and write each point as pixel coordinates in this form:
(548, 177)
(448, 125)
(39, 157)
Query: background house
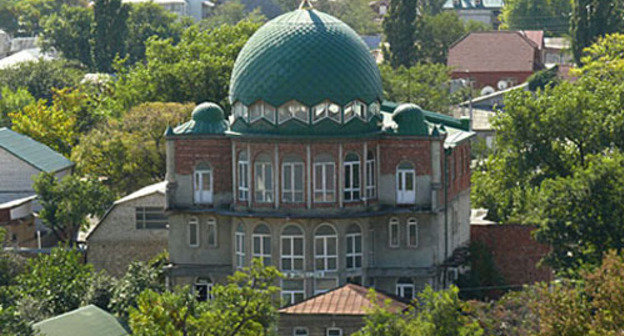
(495, 60)
(133, 229)
(17, 218)
(486, 11)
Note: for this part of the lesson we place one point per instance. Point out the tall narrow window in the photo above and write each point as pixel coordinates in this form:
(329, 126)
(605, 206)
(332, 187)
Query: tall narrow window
(193, 232)
(292, 180)
(352, 177)
(393, 232)
(354, 247)
(405, 288)
(292, 291)
(261, 239)
(370, 175)
(243, 176)
(325, 248)
(412, 232)
(203, 184)
(292, 249)
(212, 232)
(324, 186)
(203, 289)
(406, 183)
(239, 238)
(264, 179)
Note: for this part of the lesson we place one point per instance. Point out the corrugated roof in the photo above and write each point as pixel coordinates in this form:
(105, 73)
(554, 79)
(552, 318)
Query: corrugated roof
(493, 51)
(32, 152)
(349, 299)
(89, 320)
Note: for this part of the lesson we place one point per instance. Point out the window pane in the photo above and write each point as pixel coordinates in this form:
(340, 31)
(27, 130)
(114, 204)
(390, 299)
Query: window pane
(356, 175)
(318, 177)
(212, 232)
(358, 261)
(287, 177)
(319, 264)
(298, 264)
(350, 262)
(350, 244)
(319, 247)
(193, 234)
(331, 264)
(266, 245)
(286, 246)
(409, 181)
(358, 244)
(298, 246)
(348, 176)
(299, 177)
(329, 177)
(331, 246)
(256, 245)
(286, 264)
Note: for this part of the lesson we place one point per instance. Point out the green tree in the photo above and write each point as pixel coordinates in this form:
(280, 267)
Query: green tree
(435, 313)
(109, 32)
(31, 13)
(483, 273)
(246, 305)
(13, 101)
(41, 77)
(592, 19)
(66, 203)
(69, 32)
(230, 13)
(552, 16)
(130, 152)
(148, 19)
(399, 28)
(8, 16)
(197, 69)
(55, 283)
(355, 13)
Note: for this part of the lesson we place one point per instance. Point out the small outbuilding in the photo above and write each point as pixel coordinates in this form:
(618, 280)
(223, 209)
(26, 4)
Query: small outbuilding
(89, 320)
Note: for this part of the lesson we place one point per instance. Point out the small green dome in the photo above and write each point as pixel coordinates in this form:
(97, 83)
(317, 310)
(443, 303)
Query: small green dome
(207, 118)
(208, 112)
(410, 120)
(308, 56)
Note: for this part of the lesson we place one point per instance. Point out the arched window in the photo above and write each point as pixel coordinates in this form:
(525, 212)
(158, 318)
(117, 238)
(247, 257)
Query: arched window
(405, 288)
(393, 232)
(412, 232)
(239, 244)
(203, 183)
(212, 232)
(354, 247)
(406, 183)
(325, 248)
(370, 175)
(292, 249)
(263, 177)
(261, 239)
(203, 289)
(324, 179)
(243, 176)
(292, 179)
(352, 177)
(193, 232)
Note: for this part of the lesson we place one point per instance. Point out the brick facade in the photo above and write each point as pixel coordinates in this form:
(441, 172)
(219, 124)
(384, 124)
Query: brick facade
(516, 254)
(483, 79)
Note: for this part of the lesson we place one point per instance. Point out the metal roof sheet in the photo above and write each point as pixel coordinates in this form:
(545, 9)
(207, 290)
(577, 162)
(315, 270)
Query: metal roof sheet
(88, 320)
(32, 152)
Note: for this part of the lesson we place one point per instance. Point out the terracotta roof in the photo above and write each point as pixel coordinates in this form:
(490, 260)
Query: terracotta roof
(349, 299)
(493, 51)
(537, 36)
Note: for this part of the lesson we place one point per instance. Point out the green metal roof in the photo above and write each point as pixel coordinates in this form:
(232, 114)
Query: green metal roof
(89, 320)
(207, 118)
(32, 152)
(308, 56)
(410, 120)
(433, 117)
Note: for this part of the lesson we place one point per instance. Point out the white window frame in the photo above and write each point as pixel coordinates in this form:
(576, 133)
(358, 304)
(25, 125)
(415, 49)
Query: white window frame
(289, 195)
(349, 188)
(331, 331)
(208, 284)
(239, 243)
(265, 256)
(142, 223)
(323, 190)
(203, 196)
(300, 331)
(353, 255)
(412, 222)
(394, 242)
(193, 224)
(371, 191)
(290, 240)
(211, 224)
(243, 178)
(292, 292)
(320, 291)
(263, 193)
(403, 195)
(401, 287)
(324, 255)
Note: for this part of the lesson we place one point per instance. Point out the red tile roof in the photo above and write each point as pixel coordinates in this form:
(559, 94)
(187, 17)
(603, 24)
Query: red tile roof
(537, 36)
(349, 299)
(493, 51)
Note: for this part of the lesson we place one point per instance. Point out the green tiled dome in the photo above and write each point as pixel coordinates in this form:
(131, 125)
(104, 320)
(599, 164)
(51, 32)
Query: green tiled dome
(308, 56)
(207, 118)
(410, 120)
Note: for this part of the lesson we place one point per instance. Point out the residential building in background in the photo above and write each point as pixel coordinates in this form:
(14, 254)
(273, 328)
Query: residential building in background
(486, 11)
(315, 174)
(17, 218)
(133, 229)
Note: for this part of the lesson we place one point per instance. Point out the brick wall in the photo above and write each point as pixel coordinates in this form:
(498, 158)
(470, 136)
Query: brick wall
(515, 252)
(216, 152)
(418, 152)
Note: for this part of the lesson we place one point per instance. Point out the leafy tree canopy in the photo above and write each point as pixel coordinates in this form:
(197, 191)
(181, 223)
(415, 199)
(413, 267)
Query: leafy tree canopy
(13, 101)
(552, 16)
(230, 13)
(40, 77)
(592, 19)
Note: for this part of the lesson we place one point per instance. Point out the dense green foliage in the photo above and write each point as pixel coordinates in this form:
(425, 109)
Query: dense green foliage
(13, 101)
(592, 19)
(356, 13)
(543, 78)
(40, 78)
(398, 27)
(66, 203)
(435, 313)
(246, 305)
(109, 30)
(552, 16)
(482, 276)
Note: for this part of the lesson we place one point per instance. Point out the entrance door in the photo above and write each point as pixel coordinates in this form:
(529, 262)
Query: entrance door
(406, 184)
(203, 186)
